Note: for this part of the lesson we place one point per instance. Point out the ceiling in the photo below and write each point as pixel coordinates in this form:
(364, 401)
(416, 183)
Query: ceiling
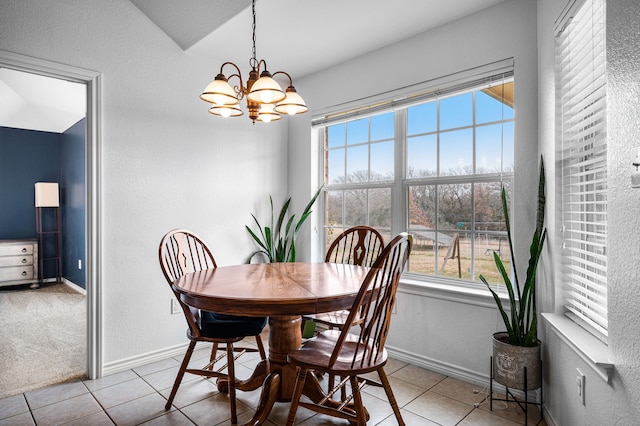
(297, 36)
(34, 102)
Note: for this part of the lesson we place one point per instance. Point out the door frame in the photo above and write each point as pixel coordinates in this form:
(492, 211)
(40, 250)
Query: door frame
(93, 229)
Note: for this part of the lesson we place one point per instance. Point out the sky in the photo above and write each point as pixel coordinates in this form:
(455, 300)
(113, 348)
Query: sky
(456, 152)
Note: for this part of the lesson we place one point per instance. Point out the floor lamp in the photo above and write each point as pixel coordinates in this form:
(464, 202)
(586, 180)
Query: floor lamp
(47, 197)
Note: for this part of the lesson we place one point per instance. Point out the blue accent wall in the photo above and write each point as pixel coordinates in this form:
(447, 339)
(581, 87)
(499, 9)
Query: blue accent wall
(26, 157)
(30, 156)
(73, 154)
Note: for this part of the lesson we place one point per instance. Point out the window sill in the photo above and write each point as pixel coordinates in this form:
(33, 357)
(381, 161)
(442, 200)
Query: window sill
(588, 347)
(451, 292)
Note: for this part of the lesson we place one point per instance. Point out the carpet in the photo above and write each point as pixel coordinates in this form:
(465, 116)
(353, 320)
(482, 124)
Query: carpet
(42, 337)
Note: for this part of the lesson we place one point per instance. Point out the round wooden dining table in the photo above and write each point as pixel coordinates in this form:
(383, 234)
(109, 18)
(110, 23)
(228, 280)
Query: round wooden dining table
(283, 292)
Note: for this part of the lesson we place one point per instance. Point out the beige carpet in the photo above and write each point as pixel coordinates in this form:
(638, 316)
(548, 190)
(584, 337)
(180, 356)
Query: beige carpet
(42, 337)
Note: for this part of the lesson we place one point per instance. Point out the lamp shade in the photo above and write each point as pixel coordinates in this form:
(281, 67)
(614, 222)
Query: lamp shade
(266, 90)
(267, 114)
(226, 110)
(219, 92)
(292, 104)
(47, 194)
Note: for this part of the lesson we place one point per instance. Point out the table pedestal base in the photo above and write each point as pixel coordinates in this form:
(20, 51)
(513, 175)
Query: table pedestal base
(276, 377)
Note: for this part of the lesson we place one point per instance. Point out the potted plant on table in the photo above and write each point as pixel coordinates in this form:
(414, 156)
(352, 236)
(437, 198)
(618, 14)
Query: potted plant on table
(518, 346)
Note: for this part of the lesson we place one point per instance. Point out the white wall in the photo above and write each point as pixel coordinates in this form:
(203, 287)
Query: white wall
(618, 402)
(166, 162)
(447, 332)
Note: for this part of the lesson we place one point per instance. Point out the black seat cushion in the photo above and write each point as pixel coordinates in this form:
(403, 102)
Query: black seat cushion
(226, 326)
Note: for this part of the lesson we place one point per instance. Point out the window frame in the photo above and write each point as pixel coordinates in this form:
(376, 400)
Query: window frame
(400, 185)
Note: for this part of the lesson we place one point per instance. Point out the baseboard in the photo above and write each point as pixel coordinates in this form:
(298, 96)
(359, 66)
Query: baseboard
(455, 371)
(143, 359)
(437, 366)
(548, 418)
(74, 286)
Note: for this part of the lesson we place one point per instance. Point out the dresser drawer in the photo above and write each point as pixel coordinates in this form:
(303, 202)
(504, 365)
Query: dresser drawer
(16, 273)
(16, 260)
(12, 249)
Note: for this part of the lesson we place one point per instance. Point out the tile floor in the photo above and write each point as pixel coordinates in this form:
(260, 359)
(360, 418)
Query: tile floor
(137, 396)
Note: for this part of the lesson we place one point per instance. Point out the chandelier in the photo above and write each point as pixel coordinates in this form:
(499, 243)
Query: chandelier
(265, 99)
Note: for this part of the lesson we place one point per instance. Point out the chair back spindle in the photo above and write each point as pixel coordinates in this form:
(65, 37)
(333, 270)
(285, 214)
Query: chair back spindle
(184, 252)
(359, 245)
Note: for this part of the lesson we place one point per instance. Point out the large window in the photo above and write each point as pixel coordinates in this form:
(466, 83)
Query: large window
(582, 147)
(434, 168)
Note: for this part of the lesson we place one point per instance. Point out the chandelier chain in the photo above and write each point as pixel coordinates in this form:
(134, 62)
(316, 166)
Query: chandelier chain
(254, 60)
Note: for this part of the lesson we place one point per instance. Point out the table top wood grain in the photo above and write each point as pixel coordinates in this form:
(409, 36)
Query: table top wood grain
(273, 288)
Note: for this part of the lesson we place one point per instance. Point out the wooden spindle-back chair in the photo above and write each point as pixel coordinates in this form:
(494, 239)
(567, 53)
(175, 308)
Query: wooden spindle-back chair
(182, 252)
(348, 355)
(358, 245)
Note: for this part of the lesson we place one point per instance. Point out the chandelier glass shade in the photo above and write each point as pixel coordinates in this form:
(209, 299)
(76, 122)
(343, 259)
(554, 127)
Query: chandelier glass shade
(265, 99)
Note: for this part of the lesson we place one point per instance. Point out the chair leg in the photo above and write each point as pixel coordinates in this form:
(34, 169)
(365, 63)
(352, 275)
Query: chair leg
(183, 367)
(232, 383)
(390, 396)
(357, 400)
(331, 382)
(263, 355)
(297, 392)
(214, 352)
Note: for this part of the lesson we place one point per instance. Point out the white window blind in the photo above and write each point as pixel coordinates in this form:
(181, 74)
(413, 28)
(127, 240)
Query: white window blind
(582, 144)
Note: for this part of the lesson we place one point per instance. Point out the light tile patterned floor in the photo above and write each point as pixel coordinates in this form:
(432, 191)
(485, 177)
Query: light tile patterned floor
(137, 396)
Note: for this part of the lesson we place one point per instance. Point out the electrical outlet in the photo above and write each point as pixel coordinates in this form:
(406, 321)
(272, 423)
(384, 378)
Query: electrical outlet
(175, 306)
(580, 382)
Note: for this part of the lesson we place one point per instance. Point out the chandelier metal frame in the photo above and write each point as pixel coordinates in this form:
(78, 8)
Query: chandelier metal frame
(265, 99)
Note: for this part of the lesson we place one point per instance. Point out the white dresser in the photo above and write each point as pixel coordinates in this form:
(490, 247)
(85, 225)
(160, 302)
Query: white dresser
(18, 262)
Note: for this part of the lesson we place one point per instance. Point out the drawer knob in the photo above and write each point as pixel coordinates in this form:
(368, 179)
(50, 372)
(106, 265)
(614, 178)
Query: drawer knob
(24, 273)
(24, 249)
(24, 260)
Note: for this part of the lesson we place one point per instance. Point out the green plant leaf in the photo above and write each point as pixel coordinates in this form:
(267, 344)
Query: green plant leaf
(256, 253)
(503, 313)
(282, 215)
(255, 237)
(268, 239)
(514, 323)
(507, 221)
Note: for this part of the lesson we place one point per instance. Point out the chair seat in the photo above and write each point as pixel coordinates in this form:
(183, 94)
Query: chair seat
(316, 353)
(214, 325)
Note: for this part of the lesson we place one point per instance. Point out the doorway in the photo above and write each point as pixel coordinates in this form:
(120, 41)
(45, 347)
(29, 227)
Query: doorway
(92, 82)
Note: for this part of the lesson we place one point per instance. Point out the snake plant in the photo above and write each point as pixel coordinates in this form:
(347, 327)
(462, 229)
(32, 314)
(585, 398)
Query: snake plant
(276, 245)
(522, 321)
